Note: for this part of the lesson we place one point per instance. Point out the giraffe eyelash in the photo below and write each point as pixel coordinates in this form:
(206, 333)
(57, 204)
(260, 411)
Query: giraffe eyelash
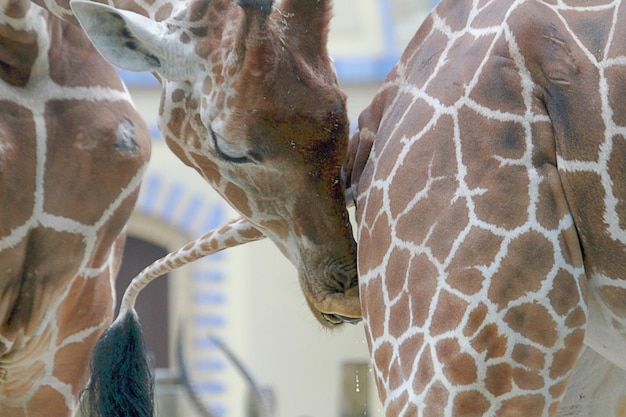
(223, 150)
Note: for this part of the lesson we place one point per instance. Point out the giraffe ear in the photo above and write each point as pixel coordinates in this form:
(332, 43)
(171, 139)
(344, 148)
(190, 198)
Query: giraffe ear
(129, 40)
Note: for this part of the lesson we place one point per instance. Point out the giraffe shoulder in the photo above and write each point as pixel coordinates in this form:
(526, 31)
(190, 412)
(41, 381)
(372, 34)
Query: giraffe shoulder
(546, 44)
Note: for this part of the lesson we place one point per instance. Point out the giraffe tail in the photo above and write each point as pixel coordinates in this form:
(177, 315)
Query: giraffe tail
(122, 382)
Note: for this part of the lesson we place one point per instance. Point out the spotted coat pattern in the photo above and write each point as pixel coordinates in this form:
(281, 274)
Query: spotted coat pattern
(72, 154)
(490, 185)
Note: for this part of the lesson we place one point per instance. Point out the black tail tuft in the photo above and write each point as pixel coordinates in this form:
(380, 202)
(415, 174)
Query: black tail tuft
(122, 382)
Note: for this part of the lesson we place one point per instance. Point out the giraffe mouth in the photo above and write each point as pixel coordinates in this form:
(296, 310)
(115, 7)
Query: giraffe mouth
(335, 308)
(337, 319)
(335, 298)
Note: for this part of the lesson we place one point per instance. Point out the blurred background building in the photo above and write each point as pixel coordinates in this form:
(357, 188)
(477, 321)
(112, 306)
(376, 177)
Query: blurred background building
(249, 296)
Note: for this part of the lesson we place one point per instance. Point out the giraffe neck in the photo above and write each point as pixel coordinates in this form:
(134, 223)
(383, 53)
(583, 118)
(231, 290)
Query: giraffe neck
(65, 119)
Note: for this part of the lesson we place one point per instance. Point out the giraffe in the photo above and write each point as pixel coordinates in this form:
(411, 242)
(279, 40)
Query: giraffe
(490, 184)
(250, 100)
(72, 154)
(482, 272)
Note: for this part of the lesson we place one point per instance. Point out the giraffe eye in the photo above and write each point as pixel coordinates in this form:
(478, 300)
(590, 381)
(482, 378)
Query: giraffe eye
(228, 152)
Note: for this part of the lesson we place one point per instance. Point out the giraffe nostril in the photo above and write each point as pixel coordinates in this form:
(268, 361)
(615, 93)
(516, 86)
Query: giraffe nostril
(343, 277)
(344, 284)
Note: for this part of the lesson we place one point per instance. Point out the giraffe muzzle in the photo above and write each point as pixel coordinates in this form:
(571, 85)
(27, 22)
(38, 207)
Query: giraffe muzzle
(335, 308)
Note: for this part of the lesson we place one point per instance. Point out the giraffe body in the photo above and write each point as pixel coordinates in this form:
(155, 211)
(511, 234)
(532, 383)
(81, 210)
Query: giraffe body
(490, 185)
(72, 150)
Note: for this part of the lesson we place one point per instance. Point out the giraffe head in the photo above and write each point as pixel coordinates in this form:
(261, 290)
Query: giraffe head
(250, 100)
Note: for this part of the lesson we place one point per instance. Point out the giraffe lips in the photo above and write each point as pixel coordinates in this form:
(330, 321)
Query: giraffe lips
(330, 284)
(336, 309)
(336, 319)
